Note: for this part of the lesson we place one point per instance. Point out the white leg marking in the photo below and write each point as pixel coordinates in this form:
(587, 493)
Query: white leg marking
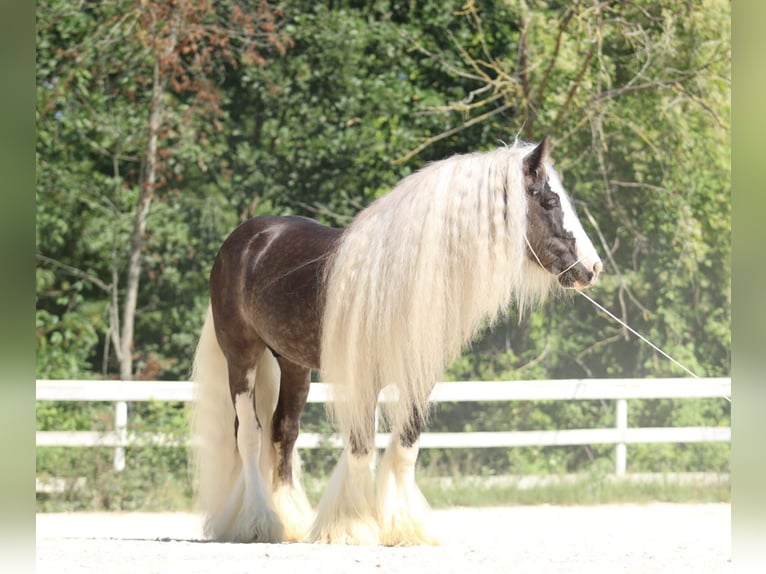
(346, 512)
(402, 509)
(290, 501)
(266, 389)
(255, 520)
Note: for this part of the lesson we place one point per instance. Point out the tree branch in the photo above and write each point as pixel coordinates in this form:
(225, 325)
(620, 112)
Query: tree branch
(433, 139)
(563, 25)
(560, 115)
(75, 272)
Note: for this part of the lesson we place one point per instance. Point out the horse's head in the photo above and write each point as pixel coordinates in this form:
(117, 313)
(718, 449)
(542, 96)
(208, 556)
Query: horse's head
(555, 237)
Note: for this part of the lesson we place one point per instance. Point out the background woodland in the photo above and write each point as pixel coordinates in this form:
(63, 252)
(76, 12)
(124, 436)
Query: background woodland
(163, 124)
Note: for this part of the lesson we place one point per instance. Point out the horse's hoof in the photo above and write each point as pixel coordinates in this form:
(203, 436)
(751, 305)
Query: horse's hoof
(352, 533)
(410, 537)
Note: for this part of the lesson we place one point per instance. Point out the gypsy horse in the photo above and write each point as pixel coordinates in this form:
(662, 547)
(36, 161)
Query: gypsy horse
(390, 299)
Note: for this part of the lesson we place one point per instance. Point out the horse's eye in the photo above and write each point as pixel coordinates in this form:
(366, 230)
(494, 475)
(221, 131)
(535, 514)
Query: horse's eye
(551, 202)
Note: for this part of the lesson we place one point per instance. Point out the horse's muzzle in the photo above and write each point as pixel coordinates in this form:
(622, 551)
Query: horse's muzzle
(581, 276)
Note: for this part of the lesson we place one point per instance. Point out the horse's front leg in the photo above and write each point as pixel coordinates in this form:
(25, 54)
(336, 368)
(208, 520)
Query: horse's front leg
(346, 512)
(402, 510)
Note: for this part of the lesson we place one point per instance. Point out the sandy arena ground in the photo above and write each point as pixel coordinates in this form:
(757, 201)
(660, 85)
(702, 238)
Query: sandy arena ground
(672, 538)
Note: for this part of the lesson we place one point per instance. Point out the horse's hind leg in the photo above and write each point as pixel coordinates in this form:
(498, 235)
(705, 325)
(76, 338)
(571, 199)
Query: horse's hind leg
(401, 507)
(290, 500)
(346, 512)
(255, 520)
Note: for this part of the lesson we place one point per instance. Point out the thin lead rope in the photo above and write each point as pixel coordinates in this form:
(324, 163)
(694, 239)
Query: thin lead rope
(568, 268)
(533, 251)
(540, 262)
(644, 339)
(628, 327)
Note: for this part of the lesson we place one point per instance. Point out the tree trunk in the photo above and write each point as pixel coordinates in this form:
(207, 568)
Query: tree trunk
(124, 348)
(135, 258)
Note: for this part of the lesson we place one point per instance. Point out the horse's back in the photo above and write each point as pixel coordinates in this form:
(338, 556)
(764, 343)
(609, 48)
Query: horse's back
(266, 283)
(282, 227)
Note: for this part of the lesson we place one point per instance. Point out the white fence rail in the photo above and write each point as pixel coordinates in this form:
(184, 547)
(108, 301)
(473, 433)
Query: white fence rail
(619, 390)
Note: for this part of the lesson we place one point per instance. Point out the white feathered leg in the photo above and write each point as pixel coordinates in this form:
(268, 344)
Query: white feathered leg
(346, 512)
(256, 520)
(230, 491)
(291, 503)
(403, 512)
(266, 390)
(289, 499)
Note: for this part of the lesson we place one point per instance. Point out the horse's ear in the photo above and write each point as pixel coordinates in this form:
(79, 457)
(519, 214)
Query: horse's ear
(533, 162)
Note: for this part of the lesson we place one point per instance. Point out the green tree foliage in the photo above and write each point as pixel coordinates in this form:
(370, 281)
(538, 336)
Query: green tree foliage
(129, 112)
(317, 108)
(636, 98)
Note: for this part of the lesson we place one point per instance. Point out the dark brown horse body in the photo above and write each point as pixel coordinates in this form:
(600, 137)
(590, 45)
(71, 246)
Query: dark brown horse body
(256, 310)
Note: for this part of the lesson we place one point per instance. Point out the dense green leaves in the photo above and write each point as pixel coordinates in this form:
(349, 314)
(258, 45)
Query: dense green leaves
(317, 108)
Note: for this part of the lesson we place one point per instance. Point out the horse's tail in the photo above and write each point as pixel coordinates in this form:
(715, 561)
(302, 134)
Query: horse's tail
(217, 465)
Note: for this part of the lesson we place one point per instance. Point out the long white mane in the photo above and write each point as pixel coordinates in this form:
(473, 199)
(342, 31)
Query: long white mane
(416, 274)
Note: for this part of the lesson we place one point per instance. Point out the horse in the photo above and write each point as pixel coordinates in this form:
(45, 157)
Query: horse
(389, 300)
